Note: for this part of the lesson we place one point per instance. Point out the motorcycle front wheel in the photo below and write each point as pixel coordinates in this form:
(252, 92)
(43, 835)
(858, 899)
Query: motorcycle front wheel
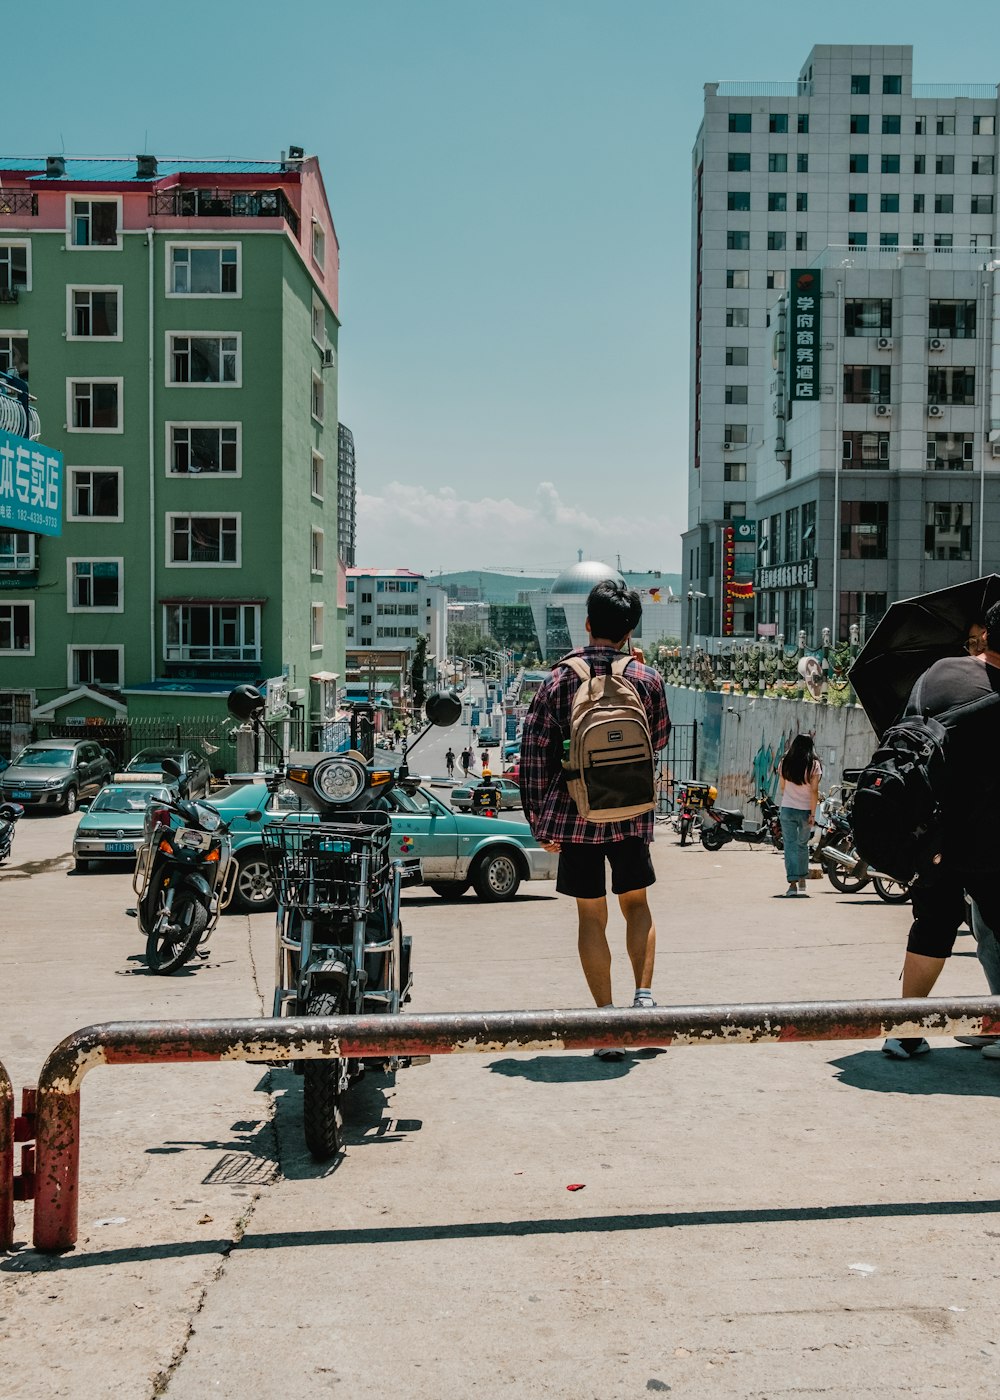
(713, 838)
(171, 946)
(842, 879)
(322, 1114)
(686, 823)
(892, 891)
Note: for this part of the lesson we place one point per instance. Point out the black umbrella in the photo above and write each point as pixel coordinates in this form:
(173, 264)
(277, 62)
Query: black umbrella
(912, 635)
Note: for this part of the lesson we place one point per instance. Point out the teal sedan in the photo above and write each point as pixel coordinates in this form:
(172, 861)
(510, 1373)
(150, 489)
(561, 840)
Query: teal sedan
(111, 829)
(456, 851)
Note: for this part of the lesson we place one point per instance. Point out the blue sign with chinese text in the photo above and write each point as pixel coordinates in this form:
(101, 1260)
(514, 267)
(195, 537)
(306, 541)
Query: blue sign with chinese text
(31, 486)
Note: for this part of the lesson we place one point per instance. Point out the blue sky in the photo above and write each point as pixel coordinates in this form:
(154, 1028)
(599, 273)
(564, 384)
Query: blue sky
(510, 183)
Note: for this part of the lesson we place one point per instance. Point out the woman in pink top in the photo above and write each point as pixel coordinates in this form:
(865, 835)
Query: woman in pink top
(800, 772)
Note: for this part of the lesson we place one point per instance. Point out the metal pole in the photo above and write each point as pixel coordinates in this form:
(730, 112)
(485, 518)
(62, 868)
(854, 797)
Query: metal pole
(6, 1160)
(484, 1033)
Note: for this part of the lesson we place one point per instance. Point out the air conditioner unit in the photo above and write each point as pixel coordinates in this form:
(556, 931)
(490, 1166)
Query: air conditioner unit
(936, 344)
(329, 357)
(884, 342)
(996, 449)
(883, 410)
(728, 446)
(934, 410)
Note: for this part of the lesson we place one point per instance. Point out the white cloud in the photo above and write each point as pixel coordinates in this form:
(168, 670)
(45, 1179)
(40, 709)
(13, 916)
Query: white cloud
(424, 528)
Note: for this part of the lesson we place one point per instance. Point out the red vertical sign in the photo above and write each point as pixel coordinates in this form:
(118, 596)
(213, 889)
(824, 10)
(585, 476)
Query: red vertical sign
(728, 570)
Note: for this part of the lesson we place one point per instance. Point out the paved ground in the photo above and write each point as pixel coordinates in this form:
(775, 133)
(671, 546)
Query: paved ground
(759, 1221)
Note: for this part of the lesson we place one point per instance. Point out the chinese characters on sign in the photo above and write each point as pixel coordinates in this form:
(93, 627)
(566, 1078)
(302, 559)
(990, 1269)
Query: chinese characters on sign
(804, 333)
(31, 478)
(799, 575)
(728, 570)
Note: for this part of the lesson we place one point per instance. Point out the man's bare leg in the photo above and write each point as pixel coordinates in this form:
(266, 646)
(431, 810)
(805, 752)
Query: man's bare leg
(640, 935)
(920, 974)
(595, 955)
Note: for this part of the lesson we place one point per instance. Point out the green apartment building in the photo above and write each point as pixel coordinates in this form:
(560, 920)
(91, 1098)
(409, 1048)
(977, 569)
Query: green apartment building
(177, 324)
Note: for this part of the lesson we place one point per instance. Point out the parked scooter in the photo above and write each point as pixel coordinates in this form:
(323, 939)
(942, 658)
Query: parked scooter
(184, 876)
(10, 812)
(722, 824)
(340, 945)
(692, 799)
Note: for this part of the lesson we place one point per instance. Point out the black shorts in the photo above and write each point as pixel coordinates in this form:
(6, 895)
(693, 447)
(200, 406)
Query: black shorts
(581, 868)
(939, 908)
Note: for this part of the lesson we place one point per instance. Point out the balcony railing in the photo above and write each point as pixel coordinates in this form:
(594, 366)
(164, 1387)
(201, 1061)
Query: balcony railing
(18, 202)
(739, 88)
(224, 204)
(936, 90)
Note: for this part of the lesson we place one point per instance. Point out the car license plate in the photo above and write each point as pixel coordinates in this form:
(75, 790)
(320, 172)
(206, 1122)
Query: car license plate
(20, 794)
(119, 848)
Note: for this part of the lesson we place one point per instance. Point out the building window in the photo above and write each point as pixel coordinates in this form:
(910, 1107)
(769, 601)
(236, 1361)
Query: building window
(203, 359)
(736, 393)
(888, 204)
(736, 354)
(738, 316)
(860, 84)
(982, 126)
(948, 530)
(14, 354)
(739, 160)
(317, 398)
(203, 540)
(888, 240)
(867, 383)
(739, 121)
(944, 204)
(918, 204)
(954, 384)
(204, 270)
(95, 493)
(94, 223)
(738, 277)
(857, 240)
(777, 162)
(94, 313)
(316, 552)
(981, 165)
(775, 240)
(801, 203)
(859, 123)
(890, 165)
(950, 452)
(945, 126)
(944, 165)
(17, 552)
(734, 471)
(866, 451)
(15, 267)
(920, 165)
(776, 279)
(738, 200)
(196, 449)
(943, 240)
(864, 529)
(737, 240)
(777, 202)
(857, 164)
(802, 163)
(857, 204)
(952, 320)
(96, 665)
(316, 627)
(891, 126)
(864, 610)
(802, 124)
(808, 542)
(95, 585)
(918, 240)
(892, 84)
(778, 124)
(94, 405)
(736, 433)
(801, 242)
(920, 126)
(17, 629)
(792, 534)
(981, 204)
(318, 321)
(219, 632)
(316, 478)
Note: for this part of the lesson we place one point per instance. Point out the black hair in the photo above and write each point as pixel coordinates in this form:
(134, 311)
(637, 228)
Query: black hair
(797, 764)
(613, 610)
(993, 627)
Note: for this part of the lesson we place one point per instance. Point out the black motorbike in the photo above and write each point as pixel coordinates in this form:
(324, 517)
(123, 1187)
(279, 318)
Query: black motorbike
(845, 869)
(720, 825)
(340, 946)
(10, 813)
(184, 876)
(692, 799)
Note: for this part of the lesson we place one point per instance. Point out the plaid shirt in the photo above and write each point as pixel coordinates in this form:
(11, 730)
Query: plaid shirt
(548, 807)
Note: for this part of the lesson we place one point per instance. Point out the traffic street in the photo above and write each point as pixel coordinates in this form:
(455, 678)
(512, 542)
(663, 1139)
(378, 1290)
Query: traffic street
(796, 1219)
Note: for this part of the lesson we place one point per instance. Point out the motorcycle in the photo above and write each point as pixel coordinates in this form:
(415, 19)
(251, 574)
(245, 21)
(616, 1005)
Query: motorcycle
(10, 812)
(692, 799)
(723, 824)
(184, 876)
(340, 946)
(843, 867)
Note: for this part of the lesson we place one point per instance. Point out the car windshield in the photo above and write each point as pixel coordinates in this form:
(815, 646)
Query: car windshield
(411, 802)
(121, 799)
(149, 761)
(45, 758)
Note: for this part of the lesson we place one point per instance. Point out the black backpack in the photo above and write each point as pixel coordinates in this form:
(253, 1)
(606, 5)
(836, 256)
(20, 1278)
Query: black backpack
(896, 813)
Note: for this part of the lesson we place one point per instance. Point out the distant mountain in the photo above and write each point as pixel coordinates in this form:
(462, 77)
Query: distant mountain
(504, 588)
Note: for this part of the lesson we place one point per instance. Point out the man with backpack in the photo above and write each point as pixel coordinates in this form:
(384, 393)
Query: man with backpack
(959, 844)
(587, 785)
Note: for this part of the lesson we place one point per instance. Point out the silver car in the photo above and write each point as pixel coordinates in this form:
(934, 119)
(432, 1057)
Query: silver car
(56, 773)
(510, 796)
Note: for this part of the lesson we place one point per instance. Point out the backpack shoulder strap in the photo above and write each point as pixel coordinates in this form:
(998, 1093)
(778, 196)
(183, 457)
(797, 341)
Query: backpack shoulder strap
(618, 667)
(577, 665)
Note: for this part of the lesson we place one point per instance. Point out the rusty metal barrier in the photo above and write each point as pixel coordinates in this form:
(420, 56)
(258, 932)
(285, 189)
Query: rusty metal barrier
(6, 1160)
(491, 1033)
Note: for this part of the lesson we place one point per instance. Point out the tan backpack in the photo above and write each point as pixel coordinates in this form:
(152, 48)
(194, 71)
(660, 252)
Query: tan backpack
(608, 759)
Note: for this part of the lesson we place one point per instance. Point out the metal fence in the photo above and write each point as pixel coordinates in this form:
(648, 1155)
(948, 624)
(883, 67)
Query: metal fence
(678, 763)
(125, 738)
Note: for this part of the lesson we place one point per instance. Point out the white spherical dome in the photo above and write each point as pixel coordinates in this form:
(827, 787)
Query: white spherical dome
(581, 578)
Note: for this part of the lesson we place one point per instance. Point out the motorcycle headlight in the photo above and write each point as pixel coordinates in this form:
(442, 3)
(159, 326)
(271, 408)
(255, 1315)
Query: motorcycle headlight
(340, 780)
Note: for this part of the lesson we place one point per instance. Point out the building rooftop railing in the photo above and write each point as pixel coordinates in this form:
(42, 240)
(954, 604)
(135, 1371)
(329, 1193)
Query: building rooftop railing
(959, 259)
(738, 88)
(935, 90)
(223, 204)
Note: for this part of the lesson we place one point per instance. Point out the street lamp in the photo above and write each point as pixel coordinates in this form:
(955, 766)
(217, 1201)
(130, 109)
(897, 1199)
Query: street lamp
(693, 594)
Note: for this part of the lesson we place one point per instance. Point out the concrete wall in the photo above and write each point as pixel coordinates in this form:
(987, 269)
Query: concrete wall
(742, 737)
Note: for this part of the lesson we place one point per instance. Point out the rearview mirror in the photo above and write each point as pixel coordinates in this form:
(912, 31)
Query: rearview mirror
(171, 767)
(252, 816)
(443, 708)
(245, 702)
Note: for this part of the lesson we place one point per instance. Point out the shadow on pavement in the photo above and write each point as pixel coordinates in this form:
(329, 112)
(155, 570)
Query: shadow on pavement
(570, 1069)
(959, 1071)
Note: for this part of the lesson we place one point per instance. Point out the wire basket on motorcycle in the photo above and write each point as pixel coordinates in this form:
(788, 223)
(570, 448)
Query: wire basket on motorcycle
(322, 865)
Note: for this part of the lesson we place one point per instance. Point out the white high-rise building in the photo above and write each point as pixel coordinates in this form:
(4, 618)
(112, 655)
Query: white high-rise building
(848, 161)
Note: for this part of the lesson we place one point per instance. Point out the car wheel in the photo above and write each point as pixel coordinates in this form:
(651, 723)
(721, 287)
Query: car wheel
(253, 892)
(450, 889)
(69, 801)
(497, 876)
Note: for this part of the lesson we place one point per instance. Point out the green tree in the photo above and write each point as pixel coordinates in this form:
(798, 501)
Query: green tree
(466, 639)
(417, 675)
